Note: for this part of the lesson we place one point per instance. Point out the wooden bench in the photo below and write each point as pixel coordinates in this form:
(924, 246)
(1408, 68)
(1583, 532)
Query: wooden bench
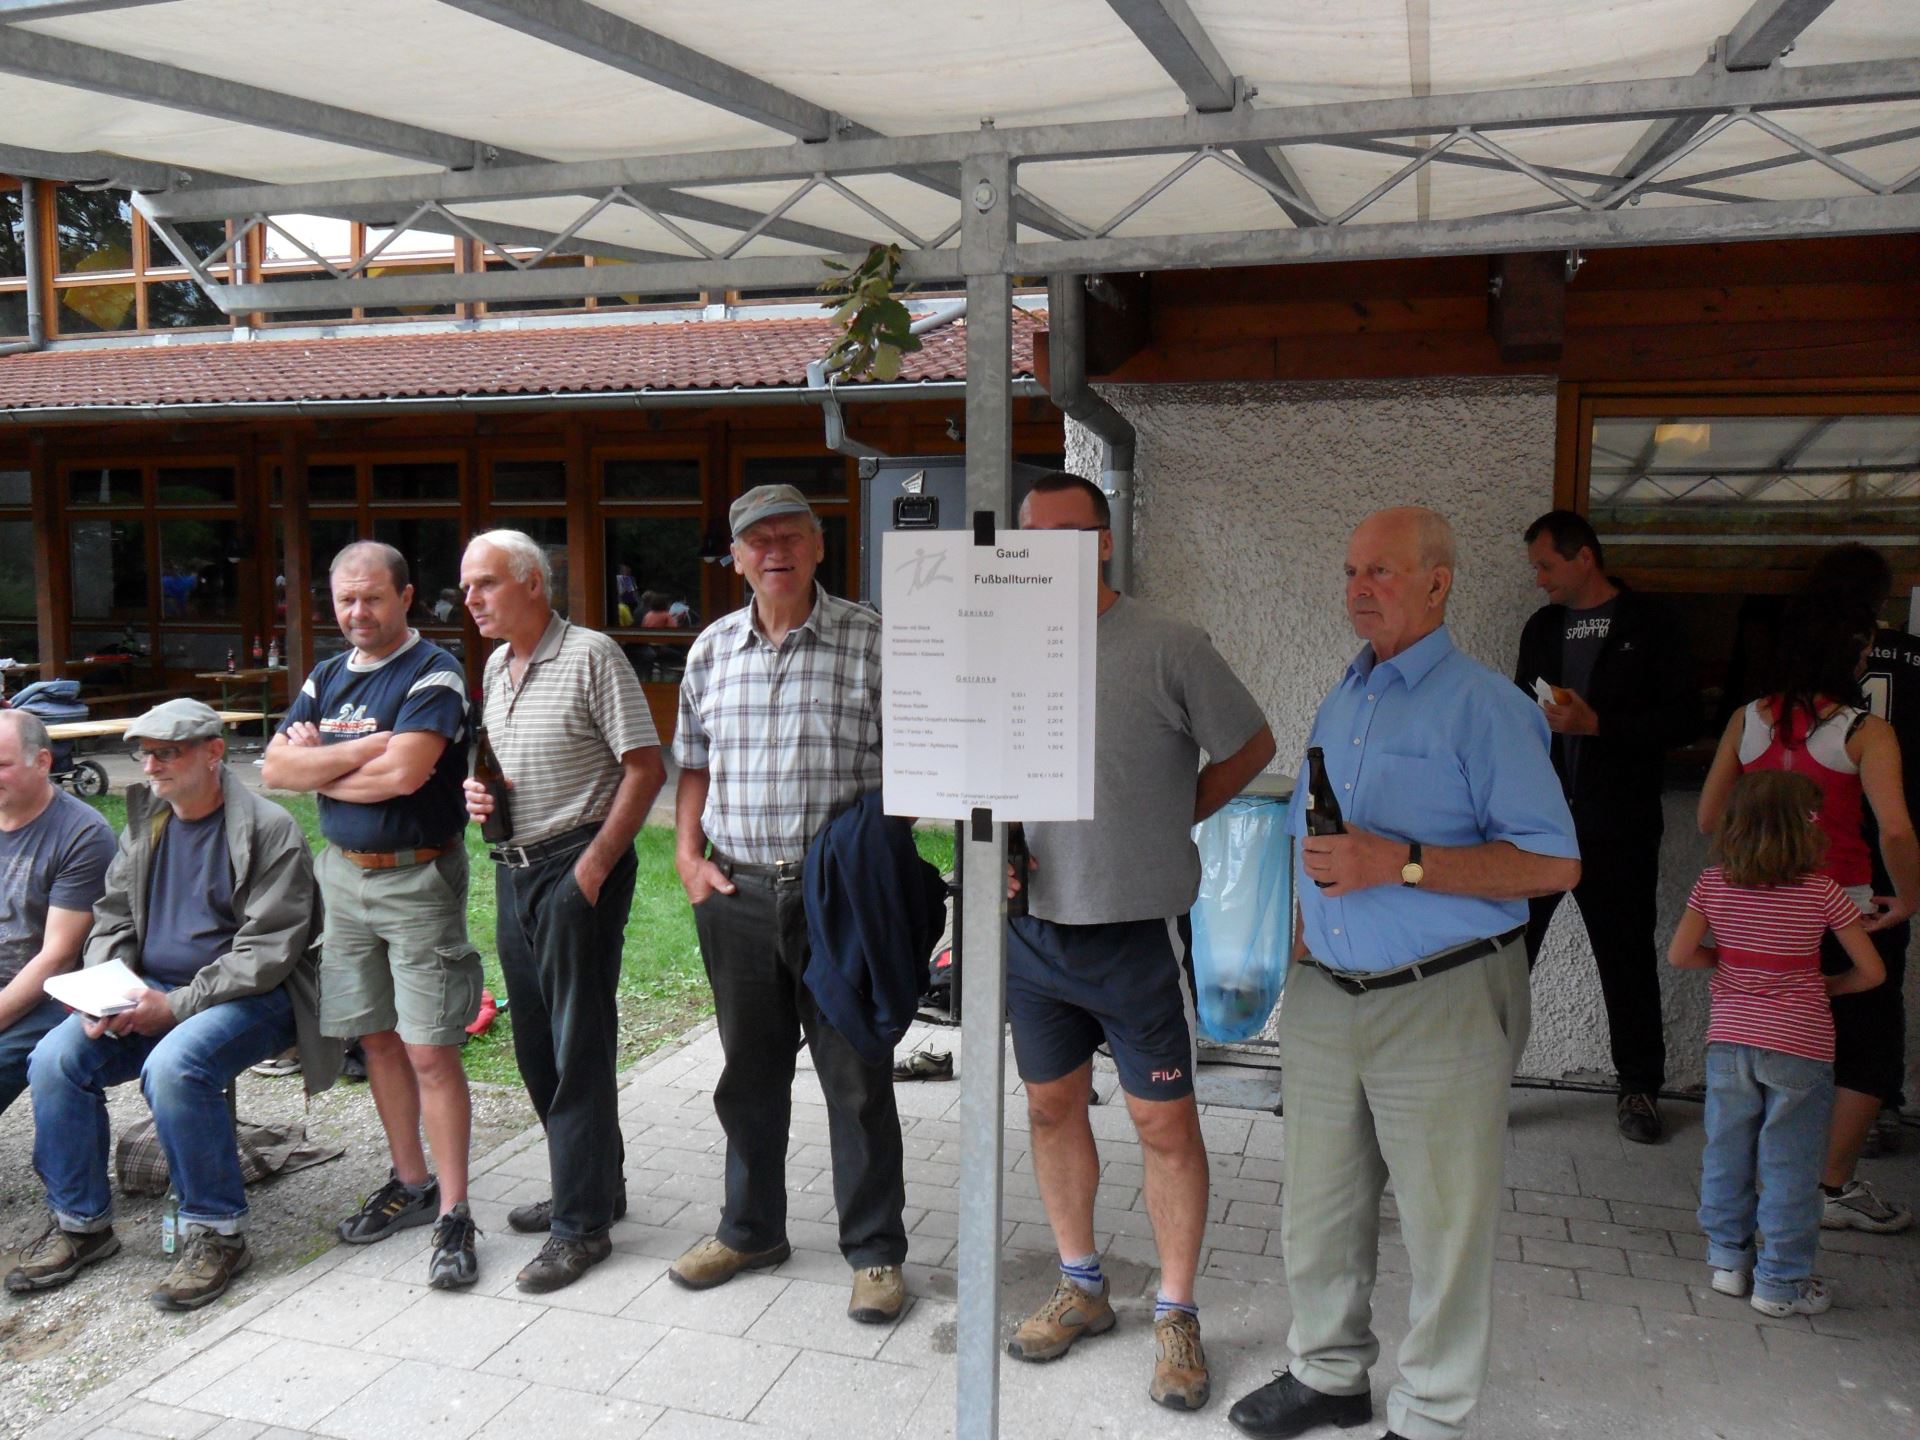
(95, 729)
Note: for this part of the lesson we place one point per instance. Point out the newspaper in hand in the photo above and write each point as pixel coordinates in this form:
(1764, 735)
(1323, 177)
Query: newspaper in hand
(97, 990)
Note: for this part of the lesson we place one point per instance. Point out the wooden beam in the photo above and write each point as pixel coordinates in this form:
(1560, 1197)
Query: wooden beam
(586, 600)
(51, 596)
(296, 542)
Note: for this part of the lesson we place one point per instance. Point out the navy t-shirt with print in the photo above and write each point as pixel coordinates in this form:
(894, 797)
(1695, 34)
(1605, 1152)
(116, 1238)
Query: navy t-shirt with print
(418, 687)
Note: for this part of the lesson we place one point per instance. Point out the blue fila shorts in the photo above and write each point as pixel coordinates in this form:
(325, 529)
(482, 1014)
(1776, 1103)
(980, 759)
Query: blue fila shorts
(1131, 984)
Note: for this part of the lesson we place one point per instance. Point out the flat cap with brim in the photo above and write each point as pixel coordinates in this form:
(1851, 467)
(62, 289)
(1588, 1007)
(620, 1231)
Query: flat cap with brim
(763, 502)
(177, 720)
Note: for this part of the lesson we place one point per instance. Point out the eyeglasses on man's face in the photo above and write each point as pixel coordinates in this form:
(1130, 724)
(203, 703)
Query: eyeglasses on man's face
(159, 754)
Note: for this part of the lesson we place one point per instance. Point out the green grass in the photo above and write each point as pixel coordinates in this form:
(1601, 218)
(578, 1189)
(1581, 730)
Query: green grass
(663, 985)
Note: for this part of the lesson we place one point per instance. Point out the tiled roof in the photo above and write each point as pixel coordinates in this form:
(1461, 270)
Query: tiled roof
(555, 360)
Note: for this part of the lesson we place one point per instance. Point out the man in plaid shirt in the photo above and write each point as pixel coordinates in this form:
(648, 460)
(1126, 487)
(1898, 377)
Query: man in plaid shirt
(780, 731)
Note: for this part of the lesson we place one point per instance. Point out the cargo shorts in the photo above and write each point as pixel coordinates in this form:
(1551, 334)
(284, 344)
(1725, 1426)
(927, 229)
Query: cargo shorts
(395, 953)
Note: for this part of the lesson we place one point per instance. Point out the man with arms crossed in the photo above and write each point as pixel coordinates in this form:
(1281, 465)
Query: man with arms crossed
(54, 853)
(381, 733)
(779, 732)
(1616, 659)
(1407, 1005)
(576, 743)
(1103, 952)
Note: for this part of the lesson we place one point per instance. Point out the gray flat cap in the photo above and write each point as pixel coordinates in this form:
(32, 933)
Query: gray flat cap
(177, 720)
(763, 502)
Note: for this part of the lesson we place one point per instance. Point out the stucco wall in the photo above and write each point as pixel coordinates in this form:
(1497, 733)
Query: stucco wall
(1245, 497)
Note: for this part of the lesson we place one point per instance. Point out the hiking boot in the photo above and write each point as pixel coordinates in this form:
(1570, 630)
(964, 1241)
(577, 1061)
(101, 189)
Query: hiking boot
(394, 1206)
(59, 1255)
(561, 1262)
(1859, 1207)
(1639, 1119)
(1813, 1298)
(879, 1293)
(1180, 1379)
(714, 1262)
(1050, 1331)
(204, 1270)
(453, 1266)
(536, 1217)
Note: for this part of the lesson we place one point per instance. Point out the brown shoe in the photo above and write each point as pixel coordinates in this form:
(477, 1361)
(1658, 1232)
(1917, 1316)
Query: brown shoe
(59, 1255)
(561, 1262)
(714, 1262)
(1180, 1380)
(204, 1270)
(879, 1294)
(1050, 1331)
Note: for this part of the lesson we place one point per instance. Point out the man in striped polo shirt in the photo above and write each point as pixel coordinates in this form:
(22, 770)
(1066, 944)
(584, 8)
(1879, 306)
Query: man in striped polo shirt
(570, 727)
(779, 732)
(381, 734)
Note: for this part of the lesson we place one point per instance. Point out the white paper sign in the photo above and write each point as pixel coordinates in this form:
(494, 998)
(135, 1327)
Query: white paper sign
(989, 673)
(97, 990)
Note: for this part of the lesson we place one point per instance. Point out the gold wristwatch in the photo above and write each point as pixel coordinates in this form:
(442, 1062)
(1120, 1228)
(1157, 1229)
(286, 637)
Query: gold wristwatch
(1413, 872)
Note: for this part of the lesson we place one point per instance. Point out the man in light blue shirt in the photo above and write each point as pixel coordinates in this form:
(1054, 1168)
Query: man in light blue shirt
(1407, 1006)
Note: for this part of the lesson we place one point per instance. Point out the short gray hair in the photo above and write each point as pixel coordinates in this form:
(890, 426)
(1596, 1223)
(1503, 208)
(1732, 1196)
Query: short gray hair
(32, 732)
(379, 551)
(525, 558)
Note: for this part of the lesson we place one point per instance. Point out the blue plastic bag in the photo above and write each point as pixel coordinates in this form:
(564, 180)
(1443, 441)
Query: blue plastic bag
(1243, 919)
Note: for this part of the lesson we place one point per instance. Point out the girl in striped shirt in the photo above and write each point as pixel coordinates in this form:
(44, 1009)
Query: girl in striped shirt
(1756, 921)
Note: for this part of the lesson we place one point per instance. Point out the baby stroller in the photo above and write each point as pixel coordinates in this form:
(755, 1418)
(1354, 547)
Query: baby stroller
(57, 702)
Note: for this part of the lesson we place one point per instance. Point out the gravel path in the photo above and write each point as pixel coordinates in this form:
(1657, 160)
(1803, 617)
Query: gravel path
(56, 1347)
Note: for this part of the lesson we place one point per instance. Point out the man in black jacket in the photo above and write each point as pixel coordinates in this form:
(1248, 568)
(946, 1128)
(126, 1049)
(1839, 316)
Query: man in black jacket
(1621, 696)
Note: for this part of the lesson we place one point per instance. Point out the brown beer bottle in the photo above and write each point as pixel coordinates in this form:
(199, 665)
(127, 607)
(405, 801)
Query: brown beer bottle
(1323, 810)
(497, 828)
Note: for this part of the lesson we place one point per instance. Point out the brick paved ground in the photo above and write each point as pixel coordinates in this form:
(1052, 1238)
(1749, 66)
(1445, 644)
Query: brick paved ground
(1606, 1327)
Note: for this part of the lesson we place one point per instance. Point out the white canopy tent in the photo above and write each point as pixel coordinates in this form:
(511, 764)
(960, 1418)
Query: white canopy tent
(735, 143)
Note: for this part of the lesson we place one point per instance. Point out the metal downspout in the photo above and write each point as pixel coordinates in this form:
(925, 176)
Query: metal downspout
(1067, 361)
(36, 280)
(820, 389)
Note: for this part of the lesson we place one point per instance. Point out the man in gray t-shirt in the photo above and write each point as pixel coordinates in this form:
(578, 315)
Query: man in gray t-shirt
(1101, 955)
(54, 853)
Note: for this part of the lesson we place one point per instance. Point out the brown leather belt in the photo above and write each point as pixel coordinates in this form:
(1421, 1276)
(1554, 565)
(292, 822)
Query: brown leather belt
(395, 859)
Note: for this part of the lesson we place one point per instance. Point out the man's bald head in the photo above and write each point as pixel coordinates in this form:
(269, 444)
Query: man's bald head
(1399, 573)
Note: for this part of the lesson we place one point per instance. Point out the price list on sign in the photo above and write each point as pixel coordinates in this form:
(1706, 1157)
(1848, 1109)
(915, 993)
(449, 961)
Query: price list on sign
(988, 673)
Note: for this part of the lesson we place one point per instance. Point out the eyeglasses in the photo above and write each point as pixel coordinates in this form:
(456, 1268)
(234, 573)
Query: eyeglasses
(160, 754)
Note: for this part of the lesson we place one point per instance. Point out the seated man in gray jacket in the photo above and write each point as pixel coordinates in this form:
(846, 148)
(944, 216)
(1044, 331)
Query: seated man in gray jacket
(211, 901)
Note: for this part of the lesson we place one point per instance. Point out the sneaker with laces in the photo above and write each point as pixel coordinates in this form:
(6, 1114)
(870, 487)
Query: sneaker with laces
(454, 1266)
(1180, 1380)
(1069, 1313)
(879, 1294)
(561, 1262)
(536, 1216)
(204, 1270)
(1812, 1298)
(1732, 1282)
(1638, 1116)
(1859, 1207)
(57, 1255)
(714, 1262)
(394, 1206)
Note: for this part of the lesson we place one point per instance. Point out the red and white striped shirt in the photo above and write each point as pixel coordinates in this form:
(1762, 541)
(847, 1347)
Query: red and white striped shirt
(1767, 989)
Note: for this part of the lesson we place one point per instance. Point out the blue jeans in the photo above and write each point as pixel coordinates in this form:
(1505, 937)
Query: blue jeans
(16, 1044)
(1767, 1117)
(184, 1074)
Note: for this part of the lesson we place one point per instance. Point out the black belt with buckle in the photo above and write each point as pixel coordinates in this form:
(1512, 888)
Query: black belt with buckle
(778, 870)
(519, 857)
(1420, 969)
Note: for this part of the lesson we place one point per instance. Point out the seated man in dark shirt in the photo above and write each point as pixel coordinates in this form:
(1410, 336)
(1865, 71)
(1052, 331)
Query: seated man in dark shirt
(210, 899)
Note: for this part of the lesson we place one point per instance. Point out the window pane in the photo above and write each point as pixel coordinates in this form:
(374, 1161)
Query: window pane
(432, 551)
(323, 235)
(199, 570)
(16, 570)
(13, 312)
(641, 479)
(434, 480)
(180, 304)
(834, 570)
(332, 484)
(95, 309)
(22, 643)
(202, 237)
(16, 487)
(196, 485)
(203, 651)
(649, 561)
(13, 236)
(109, 569)
(821, 475)
(325, 539)
(529, 480)
(94, 230)
(104, 487)
(550, 531)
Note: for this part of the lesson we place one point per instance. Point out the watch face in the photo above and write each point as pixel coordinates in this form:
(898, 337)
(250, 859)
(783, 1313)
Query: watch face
(1412, 874)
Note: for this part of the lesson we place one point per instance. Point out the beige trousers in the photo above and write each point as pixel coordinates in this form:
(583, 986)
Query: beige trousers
(1410, 1084)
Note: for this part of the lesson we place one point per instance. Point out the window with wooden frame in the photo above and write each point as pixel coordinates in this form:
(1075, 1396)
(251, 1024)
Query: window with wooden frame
(1724, 502)
(652, 512)
(111, 273)
(19, 632)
